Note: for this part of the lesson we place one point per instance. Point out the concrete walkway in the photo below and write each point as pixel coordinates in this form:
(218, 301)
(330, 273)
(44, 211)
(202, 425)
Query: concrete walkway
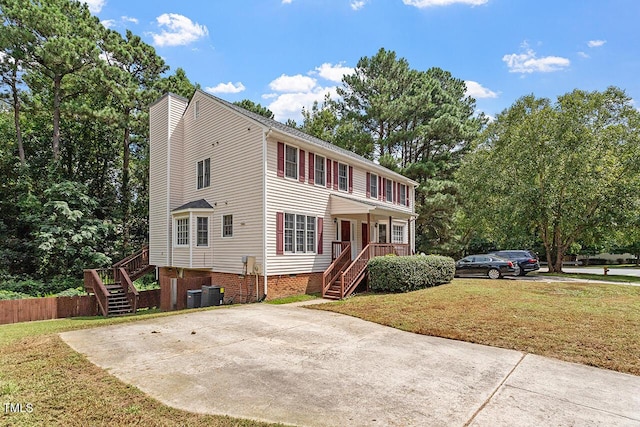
(306, 367)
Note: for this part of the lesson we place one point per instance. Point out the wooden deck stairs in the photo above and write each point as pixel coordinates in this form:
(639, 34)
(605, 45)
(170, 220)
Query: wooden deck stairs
(113, 287)
(344, 274)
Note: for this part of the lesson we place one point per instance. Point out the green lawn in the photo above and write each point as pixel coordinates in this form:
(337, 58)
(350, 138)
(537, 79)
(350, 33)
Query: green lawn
(595, 276)
(593, 324)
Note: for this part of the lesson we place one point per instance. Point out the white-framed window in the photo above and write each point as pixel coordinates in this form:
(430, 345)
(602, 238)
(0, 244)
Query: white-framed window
(343, 177)
(204, 173)
(373, 185)
(398, 233)
(227, 225)
(389, 189)
(182, 231)
(202, 231)
(403, 194)
(382, 233)
(196, 109)
(299, 233)
(319, 170)
(291, 162)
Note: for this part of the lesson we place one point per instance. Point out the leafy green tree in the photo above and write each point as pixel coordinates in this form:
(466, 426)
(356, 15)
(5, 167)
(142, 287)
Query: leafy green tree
(562, 172)
(256, 108)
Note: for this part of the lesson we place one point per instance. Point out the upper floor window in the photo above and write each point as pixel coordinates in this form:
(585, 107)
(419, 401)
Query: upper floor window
(291, 162)
(343, 177)
(389, 190)
(403, 194)
(196, 109)
(373, 185)
(204, 173)
(319, 170)
(182, 231)
(227, 226)
(203, 231)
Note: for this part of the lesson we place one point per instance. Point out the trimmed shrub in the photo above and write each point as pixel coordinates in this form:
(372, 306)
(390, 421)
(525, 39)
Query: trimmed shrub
(409, 273)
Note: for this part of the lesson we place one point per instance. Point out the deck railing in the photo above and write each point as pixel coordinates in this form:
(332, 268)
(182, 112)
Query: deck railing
(94, 280)
(336, 267)
(136, 264)
(132, 293)
(337, 248)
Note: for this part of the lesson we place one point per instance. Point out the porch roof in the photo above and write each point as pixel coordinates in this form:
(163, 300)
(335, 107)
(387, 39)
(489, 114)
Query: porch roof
(345, 205)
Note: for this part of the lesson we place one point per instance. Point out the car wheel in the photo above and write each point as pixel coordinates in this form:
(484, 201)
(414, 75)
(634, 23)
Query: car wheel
(522, 272)
(494, 273)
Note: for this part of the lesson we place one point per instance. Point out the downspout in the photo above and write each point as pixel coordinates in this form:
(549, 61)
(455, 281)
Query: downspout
(264, 210)
(169, 230)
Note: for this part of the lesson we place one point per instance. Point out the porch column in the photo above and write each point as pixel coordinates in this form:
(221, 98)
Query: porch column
(390, 230)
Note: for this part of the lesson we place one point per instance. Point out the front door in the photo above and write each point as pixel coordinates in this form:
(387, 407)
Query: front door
(345, 231)
(365, 234)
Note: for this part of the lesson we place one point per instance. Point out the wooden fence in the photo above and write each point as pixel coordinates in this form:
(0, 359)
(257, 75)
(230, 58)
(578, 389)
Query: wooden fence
(26, 310)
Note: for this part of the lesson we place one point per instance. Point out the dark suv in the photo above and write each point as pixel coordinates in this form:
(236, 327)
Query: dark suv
(528, 261)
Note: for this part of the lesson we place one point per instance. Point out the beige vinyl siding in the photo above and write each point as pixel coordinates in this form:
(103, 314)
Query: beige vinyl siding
(292, 196)
(166, 141)
(234, 145)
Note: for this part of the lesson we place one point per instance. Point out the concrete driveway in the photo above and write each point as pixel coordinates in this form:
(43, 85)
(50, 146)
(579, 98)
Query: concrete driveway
(306, 367)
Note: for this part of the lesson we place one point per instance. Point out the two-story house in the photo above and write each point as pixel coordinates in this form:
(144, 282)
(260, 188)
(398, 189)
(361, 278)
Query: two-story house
(263, 209)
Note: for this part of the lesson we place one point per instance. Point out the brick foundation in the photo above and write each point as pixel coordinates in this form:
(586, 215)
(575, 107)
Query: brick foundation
(238, 289)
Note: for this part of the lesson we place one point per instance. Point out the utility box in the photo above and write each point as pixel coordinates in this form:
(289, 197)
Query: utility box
(212, 296)
(194, 298)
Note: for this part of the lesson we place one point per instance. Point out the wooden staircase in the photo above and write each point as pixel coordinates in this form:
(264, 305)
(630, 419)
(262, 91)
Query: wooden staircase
(344, 275)
(113, 287)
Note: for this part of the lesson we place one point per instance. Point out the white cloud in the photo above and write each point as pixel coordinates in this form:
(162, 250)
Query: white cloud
(108, 23)
(226, 88)
(332, 72)
(583, 55)
(129, 19)
(289, 105)
(420, 4)
(286, 1)
(178, 30)
(596, 43)
(358, 4)
(477, 91)
(95, 6)
(528, 62)
(290, 84)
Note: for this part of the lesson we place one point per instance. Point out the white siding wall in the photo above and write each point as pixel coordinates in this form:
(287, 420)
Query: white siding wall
(165, 135)
(234, 145)
(292, 196)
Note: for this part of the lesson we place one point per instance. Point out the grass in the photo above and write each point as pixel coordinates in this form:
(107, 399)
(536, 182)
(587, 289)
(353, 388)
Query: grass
(294, 298)
(65, 389)
(592, 324)
(593, 276)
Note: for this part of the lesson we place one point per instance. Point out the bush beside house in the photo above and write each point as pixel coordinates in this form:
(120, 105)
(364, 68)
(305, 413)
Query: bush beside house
(409, 273)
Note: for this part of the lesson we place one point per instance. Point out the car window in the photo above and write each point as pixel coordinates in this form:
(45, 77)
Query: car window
(482, 258)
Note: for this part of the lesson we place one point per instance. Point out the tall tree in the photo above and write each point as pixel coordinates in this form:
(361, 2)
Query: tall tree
(247, 104)
(60, 40)
(560, 172)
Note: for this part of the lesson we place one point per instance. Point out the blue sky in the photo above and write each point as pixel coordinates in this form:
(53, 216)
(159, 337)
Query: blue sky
(284, 54)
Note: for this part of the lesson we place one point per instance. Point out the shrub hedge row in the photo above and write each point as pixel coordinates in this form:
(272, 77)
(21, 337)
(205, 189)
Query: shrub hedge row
(409, 273)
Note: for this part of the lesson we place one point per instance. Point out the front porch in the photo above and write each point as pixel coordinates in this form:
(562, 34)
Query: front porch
(364, 229)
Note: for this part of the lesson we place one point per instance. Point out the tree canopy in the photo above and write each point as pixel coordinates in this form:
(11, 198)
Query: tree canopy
(561, 172)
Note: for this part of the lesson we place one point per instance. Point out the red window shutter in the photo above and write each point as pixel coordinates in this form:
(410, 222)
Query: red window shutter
(279, 233)
(320, 223)
(280, 159)
(336, 177)
(379, 187)
(312, 168)
(384, 189)
(301, 167)
(406, 195)
(328, 172)
(368, 184)
(395, 192)
(350, 179)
